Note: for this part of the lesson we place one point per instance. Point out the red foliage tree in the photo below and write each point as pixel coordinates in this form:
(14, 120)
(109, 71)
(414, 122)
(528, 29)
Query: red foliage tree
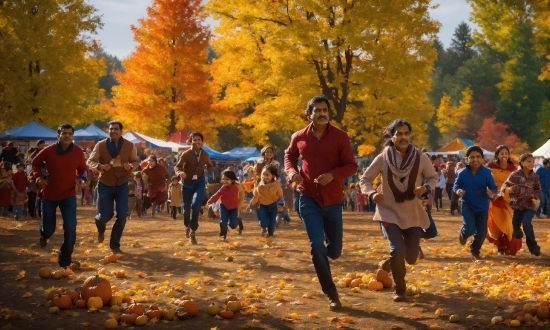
(492, 134)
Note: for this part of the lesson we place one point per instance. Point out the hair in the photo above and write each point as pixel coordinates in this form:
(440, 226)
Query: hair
(433, 157)
(153, 157)
(545, 161)
(460, 164)
(523, 158)
(499, 149)
(20, 165)
(229, 174)
(114, 122)
(175, 177)
(311, 104)
(437, 169)
(31, 151)
(40, 142)
(352, 185)
(273, 170)
(472, 149)
(390, 129)
(192, 135)
(64, 126)
(264, 149)
(137, 174)
(7, 166)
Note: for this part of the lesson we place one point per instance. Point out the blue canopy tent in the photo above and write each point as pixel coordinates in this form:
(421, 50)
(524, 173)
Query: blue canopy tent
(216, 154)
(243, 153)
(31, 131)
(90, 133)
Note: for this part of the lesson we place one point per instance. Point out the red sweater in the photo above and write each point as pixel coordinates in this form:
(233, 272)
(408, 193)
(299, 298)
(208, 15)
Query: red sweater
(229, 197)
(20, 181)
(62, 170)
(330, 154)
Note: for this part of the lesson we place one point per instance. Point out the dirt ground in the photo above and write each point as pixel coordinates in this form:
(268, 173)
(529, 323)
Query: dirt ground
(276, 280)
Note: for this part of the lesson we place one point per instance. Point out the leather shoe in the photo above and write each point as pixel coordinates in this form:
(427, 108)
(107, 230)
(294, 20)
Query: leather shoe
(477, 257)
(461, 240)
(117, 251)
(334, 301)
(100, 237)
(43, 241)
(399, 296)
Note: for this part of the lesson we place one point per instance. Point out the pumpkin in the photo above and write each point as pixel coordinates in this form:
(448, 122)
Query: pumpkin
(116, 300)
(75, 265)
(544, 303)
(142, 320)
(374, 285)
(80, 303)
(62, 301)
(181, 313)
(138, 309)
(542, 313)
(120, 273)
(129, 318)
(67, 272)
(454, 318)
(154, 314)
(356, 282)
(153, 307)
(73, 294)
(54, 310)
(515, 323)
(115, 308)
(384, 277)
(191, 306)
(57, 275)
(94, 302)
(110, 324)
(212, 309)
(413, 291)
(45, 272)
(112, 258)
(226, 314)
(235, 306)
(54, 292)
(96, 286)
(231, 298)
(169, 314)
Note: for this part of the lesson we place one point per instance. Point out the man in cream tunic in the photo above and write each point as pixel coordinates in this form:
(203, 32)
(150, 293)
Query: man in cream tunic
(398, 198)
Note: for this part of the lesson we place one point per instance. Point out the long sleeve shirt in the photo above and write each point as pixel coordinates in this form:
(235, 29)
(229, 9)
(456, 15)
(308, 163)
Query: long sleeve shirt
(475, 187)
(524, 188)
(544, 176)
(267, 193)
(331, 153)
(193, 164)
(229, 196)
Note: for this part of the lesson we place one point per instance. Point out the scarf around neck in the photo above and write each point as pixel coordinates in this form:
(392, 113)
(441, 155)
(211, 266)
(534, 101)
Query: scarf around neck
(407, 170)
(60, 150)
(113, 149)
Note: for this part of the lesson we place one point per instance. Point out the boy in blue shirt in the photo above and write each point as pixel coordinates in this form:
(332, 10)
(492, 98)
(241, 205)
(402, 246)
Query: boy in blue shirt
(476, 186)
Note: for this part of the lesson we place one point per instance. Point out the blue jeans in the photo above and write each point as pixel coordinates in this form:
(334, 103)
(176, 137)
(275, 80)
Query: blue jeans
(228, 216)
(17, 212)
(544, 203)
(474, 223)
(38, 207)
(404, 245)
(267, 217)
(523, 218)
(431, 232)
(67, 207)
(107, 198)
(5, 211)
(284, 215)
(323, 224)
(191, 203)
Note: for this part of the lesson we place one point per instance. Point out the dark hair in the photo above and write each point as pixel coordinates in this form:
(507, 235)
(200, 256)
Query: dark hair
(461, 164)
(316, 99)
(433, 157)
(7, 166)
(40, 142)
(523, 158)
(273, 170)
(264, 149)
(545, 161)
(229, 174)
(192, 135)
(64, 126)
(474, 148)
(154, 158)
(175, 177)
(137, 174)
(115, 122)
(390, 129)
(20, 165)
(499, 149)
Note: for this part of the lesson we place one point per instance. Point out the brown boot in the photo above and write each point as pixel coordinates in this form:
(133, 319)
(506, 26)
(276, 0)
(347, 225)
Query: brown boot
(333, 301)
(192, 238)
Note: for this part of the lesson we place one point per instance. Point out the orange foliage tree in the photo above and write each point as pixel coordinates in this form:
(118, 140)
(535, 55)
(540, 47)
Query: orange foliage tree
(165, 84)
(492, 134)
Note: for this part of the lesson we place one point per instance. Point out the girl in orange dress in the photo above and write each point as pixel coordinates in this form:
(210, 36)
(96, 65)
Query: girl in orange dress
(500, 214)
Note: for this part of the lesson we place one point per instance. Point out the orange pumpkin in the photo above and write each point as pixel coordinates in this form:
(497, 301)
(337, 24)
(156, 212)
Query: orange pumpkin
(545, 303)
(96, 286)
(54, 292)
(383, 277)
(374, 285)
(231, 298)
(62, 301)
(191, 306)
(542, 313)
(138, 309)
(129, 318)
(356, 282)
(80, 303)
(45, 272)
(73, 294)
(154, 313)
(75, 265)
(226, 314)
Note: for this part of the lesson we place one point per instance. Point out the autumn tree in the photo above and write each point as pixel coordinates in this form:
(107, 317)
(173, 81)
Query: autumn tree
(165, 84)
(451, 119)
(492, 134)
(372, 59)
(47, 72)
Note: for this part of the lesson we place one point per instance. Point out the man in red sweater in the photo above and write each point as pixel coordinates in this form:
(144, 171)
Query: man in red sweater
(63, 162)
(327, 159)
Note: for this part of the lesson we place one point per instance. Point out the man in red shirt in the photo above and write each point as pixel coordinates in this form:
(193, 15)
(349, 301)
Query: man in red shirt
(327, 159)
(63, 160)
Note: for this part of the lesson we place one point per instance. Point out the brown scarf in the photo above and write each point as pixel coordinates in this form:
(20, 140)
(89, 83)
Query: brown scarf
(408, 169)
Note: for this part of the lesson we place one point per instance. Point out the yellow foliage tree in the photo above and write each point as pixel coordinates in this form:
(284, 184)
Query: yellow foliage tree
(46, 71)
(165, 84)
(451, 120)
(371, 58)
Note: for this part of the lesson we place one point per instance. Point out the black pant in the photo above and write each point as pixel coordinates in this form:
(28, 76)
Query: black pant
(31, 203)
(449, 190)
(174, 210)
(438, 198)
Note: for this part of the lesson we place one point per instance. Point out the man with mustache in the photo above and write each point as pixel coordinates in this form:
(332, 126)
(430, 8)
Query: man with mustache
(114, 158)
(327, 159)
(399, 207)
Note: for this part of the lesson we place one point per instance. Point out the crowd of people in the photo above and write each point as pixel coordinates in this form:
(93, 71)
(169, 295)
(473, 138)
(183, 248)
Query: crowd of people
(496, 199)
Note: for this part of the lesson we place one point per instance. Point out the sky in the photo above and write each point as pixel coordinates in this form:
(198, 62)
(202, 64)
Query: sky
(117, 16)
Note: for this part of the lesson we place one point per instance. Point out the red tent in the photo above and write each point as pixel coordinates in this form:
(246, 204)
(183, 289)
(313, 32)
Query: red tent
(178, 137)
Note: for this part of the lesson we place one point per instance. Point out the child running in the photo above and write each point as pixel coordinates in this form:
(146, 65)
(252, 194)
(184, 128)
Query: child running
(228, 195)
(524, 187)
(174, 196)
(267, 193)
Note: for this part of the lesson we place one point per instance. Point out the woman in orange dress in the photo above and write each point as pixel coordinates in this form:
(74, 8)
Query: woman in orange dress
(500, 214)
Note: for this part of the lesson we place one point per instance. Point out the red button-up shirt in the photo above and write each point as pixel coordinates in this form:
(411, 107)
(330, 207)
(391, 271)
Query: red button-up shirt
(331, 153)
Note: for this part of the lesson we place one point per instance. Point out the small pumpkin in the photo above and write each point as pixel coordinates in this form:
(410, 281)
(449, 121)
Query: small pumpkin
(96, 286)
(73, 294)
(212, 309)
(231, 297)
(112, 258)
(154, 314)
(356, 282)
(129, 318)
(142, 320)
(94, 302)
(191, 306)
(54, 292)
(57, 275)
(235, 306)
(80, 303)
(139, 309)
(45, 272)
(62, 301)
(110, 324)
(374, 285)
(75, 265)
(181, 313)
(169, 314)
(116, 300)
(542, 313)
(226, 314)
(67, 272)
(121, 273)
(384, 277)
(53, 310)
(115, 309)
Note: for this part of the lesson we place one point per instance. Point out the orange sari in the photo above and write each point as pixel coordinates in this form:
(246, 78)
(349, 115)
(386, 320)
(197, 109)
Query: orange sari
(499, 222)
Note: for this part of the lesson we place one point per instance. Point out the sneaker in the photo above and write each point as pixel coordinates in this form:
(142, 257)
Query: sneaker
(117, 251)
(385, 265)
(100, 237)
(43, 241)
(334, 301)
(536, 254)
(399, 296)
(264, 232)
(461, 240)
(420, 253)
(192, 238)
(477, 257)
(187, 230)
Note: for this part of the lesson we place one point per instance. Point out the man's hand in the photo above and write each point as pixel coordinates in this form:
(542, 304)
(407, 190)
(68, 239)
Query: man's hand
(378, 198)
(104, 167)
(420, 190)
(460, 192)
(297, 178)
(490, 193)
(127, 166)
(42, 183)
(183, 175)
(324, 179)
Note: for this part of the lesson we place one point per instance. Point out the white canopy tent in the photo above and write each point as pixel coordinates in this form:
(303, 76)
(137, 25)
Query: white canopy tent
(543, 151)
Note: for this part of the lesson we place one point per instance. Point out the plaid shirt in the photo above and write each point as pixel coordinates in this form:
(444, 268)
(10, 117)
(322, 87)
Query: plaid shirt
(523, 190)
